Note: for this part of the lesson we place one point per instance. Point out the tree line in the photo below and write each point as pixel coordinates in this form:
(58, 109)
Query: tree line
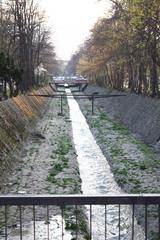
(26, 48)
(123, 50)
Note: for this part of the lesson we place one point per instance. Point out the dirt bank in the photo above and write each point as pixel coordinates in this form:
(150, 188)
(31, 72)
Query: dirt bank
(17, 117)
(138, 113)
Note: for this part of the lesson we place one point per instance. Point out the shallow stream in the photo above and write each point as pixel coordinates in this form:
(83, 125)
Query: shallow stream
(97, 179)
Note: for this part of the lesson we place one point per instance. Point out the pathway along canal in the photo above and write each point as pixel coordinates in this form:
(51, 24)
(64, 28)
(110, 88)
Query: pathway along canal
(97, 179)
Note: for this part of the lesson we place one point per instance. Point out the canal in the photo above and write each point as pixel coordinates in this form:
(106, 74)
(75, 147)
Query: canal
(97, 179)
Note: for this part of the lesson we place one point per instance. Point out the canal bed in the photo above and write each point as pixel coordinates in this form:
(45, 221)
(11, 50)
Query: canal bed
(97, 179)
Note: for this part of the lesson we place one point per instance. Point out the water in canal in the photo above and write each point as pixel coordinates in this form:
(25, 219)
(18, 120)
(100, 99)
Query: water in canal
(43, 231)
(97, 179)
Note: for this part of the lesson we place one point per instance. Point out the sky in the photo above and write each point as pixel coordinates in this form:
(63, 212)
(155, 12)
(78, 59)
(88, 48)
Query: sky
(71, 21)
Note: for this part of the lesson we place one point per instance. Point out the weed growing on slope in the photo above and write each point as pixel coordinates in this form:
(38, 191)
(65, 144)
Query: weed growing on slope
(142, 147)
(63, 145)
(63, 148)
(80, 225)
(103, 116)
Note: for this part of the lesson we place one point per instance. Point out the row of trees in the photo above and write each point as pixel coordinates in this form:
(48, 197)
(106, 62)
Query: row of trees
(124, 49)
(25, 45)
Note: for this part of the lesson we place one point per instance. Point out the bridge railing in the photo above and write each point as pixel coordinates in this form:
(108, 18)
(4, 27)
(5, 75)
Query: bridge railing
(19, 202)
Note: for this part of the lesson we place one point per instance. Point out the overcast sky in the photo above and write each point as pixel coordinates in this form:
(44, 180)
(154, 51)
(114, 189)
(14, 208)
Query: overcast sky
(71, 21)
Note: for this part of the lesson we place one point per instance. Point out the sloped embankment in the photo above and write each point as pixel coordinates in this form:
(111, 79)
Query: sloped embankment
(17, 116)
(138, 113)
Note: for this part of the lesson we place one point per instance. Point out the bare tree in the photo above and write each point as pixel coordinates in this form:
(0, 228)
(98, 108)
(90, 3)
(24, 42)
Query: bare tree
(25, 41)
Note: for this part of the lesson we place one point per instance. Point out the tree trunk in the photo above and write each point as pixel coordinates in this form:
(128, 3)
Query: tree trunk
(153, 69)
(130, 73)
(140, 82)
(10, 88)
(154, 78)
(5, 89)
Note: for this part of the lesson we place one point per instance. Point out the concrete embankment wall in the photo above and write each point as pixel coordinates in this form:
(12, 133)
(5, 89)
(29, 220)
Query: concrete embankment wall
(141, 114)
(17, 118)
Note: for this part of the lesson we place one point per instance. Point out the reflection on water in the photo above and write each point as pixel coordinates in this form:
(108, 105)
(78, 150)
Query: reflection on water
(97, 179)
